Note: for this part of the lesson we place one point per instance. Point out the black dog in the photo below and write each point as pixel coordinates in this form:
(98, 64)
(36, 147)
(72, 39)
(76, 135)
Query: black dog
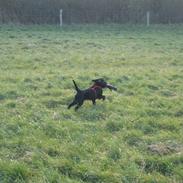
(92, 93)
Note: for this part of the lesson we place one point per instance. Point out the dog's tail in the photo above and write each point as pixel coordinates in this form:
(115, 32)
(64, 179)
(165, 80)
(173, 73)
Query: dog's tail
(76, 87)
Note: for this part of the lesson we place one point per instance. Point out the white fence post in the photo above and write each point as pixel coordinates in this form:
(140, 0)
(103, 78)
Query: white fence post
(61, 20)
(148, 18)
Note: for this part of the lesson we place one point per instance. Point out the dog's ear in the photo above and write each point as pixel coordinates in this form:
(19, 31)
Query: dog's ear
(98, 80)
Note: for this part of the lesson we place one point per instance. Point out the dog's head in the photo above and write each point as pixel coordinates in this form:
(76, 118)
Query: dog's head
(102, 83)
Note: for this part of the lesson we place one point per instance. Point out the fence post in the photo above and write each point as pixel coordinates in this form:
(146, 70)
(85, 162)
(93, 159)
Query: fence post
(148, 18)
(61, 20)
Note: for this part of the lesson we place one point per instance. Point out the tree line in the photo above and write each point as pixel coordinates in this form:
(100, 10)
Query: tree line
(90, 11)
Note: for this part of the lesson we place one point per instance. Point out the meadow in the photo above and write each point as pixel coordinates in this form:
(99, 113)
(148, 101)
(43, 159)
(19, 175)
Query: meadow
(134, 136)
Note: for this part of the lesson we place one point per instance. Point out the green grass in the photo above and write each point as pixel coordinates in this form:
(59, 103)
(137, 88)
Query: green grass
(134, 136)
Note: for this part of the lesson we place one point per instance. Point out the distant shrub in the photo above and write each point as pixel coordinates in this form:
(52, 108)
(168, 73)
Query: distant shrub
(90, 11)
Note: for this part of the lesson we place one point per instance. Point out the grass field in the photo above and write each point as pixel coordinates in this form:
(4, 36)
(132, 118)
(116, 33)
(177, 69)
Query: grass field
(135, 136)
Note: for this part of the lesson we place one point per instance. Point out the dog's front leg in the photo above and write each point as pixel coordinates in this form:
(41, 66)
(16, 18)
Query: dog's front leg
(103, 97)
(93, 101)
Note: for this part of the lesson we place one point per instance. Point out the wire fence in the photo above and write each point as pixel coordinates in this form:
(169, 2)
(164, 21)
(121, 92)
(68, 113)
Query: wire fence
(90, 11)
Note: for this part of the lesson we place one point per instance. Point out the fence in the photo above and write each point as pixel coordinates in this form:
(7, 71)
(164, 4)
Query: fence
(90, 11)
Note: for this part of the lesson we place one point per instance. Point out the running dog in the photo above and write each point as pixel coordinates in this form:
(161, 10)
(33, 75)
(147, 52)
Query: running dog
(92, 93)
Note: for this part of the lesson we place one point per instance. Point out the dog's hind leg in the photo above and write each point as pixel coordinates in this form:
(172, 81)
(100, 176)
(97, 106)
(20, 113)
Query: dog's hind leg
(79, 105)
(72, 104)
